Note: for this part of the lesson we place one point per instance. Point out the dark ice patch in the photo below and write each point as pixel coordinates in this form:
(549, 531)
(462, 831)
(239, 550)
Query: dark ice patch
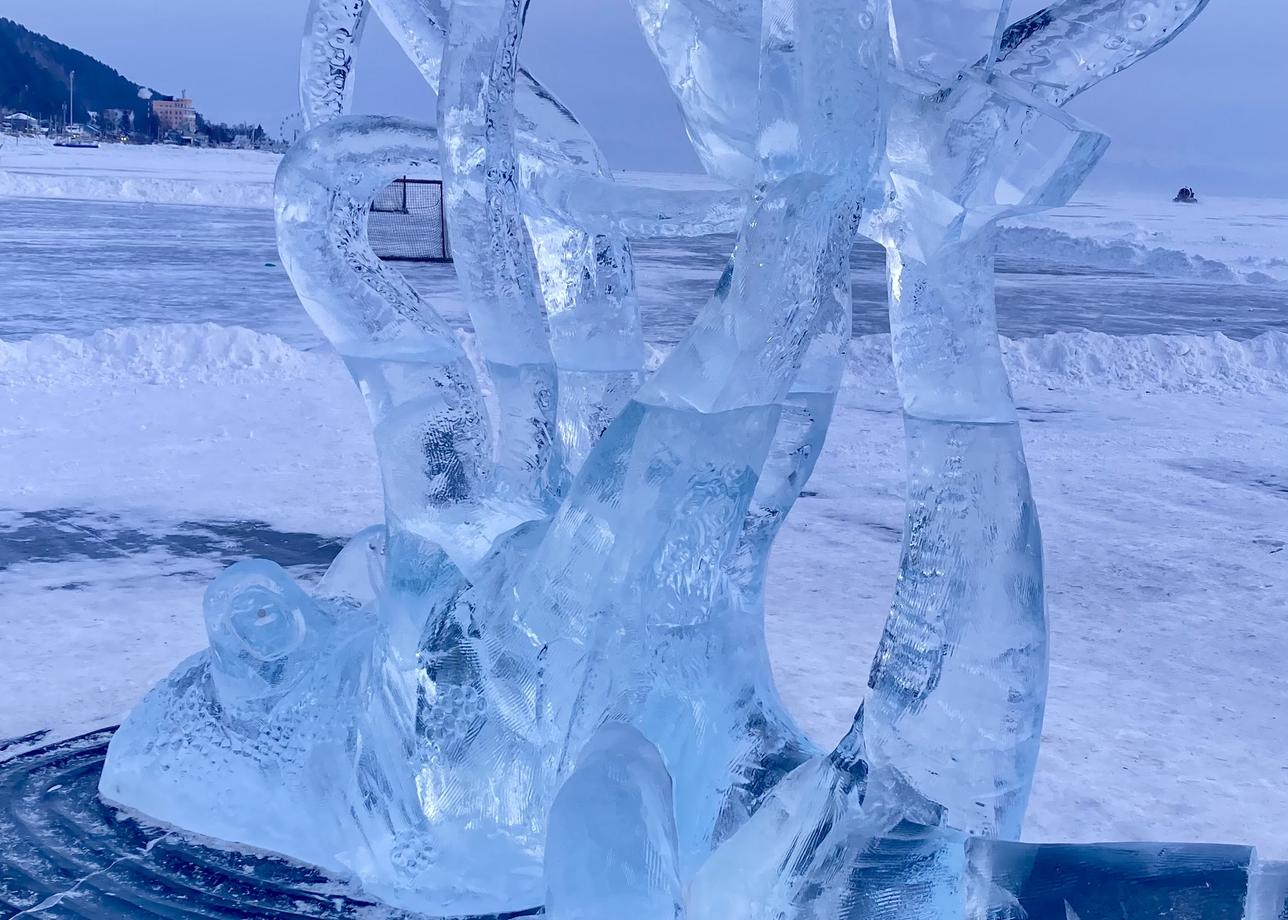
(59, 534)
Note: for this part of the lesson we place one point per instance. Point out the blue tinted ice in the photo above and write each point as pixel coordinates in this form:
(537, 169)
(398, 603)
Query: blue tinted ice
(611, 847)
(544, 677)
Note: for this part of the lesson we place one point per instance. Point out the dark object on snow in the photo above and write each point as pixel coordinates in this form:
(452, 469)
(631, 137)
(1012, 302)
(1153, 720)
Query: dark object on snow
(1186, 196)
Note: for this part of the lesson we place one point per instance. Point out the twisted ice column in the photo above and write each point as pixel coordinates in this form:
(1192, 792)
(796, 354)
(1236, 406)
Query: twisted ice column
(820, 70)
(511, 680)
(949, 730)
(551, 660)
(956, 692)
(710, 53)
(432, 822)
(332, 33)
(430, 426)
(587, 277)
(687, 456)
(494, 256)
(294, 731)
(556, 629)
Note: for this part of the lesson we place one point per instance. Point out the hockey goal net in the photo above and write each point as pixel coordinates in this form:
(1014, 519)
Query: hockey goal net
(407, 223)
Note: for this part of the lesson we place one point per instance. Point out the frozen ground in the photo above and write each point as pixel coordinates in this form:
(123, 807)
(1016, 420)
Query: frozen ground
(120, 172)
(135, 463)
(1246, 237)
(74, 267)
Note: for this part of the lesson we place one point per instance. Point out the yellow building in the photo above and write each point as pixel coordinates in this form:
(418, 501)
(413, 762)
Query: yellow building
(175, 115)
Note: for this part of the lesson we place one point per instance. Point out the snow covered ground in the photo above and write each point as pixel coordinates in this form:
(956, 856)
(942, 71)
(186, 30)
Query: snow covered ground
(165, 409)
(1243, 238)
(75, 267)
(1222, 238)
(121, 172)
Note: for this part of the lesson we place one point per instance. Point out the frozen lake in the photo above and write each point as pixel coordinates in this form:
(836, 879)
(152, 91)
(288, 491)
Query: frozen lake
(74, 267)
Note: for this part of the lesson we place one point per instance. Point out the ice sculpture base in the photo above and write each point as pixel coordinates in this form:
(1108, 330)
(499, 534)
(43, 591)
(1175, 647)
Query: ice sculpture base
(65, 853)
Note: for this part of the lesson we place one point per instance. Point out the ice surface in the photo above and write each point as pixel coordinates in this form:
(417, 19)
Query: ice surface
(935, 39)
(32, 167)
(855, 863)
(1071, 46)
(962, 665)
(710, 53)
(611, 847)
(551, 657)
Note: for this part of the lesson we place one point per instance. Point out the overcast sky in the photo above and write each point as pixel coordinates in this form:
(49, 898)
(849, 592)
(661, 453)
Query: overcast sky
(1210, 110)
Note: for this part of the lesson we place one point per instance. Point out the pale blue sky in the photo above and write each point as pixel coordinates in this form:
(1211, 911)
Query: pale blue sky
(1210, 110)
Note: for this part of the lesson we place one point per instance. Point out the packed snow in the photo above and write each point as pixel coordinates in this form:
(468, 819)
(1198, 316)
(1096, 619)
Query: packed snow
(167, 410)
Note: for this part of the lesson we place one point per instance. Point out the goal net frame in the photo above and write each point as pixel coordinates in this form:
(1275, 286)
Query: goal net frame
(407, 222)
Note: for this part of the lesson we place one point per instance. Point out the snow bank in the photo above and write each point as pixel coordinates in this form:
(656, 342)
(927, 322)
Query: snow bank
(1093, 360)
(161, 354)
(1151, 363)
(1037, 244)
(144, 189)
(158, 174)
(206, 353)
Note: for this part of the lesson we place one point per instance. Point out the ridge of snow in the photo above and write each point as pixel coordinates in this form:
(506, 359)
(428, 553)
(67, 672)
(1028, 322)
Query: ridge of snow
(1067, 361)
(206, 352)
(162, 354)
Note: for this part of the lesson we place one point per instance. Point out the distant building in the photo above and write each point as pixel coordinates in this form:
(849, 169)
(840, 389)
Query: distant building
(175, 115)
(22, 123)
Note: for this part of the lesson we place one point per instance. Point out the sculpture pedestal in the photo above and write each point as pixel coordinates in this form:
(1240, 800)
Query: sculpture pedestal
(66, 854)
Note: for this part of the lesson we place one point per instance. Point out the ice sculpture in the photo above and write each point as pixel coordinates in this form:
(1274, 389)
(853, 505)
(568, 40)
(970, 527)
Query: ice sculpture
(949, 730)
(544, 677)
(986, 144)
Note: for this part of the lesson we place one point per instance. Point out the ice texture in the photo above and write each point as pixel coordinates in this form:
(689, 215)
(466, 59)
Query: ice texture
(611, 849)
(710, 53)
(1071, 46)
(935, 39)
(544, 677)
(856, 864)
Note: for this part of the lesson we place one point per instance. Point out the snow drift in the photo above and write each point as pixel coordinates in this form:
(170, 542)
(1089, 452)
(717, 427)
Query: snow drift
(160, 354)
(206, 353)
(1044, 243)
(1210, 363)
(232, 194)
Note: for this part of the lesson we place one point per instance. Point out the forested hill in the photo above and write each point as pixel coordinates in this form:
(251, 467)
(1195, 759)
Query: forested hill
(35, 72)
